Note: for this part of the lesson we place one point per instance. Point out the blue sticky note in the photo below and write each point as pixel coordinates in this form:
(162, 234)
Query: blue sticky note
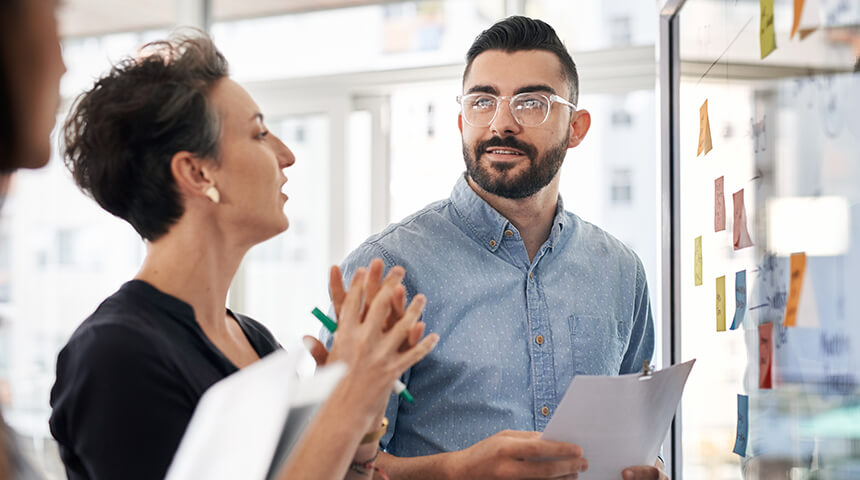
(740, 298)
(743, 426)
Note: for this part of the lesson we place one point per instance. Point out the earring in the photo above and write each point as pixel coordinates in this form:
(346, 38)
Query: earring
(213, 194)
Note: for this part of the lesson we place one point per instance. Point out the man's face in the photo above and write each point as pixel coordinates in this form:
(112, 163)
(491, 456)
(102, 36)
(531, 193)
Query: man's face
(506, 158)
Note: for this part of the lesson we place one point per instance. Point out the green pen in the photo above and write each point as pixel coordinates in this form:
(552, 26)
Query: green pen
(330, 325)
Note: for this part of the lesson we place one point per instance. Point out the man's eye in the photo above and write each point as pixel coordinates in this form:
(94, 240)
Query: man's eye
(483, 103)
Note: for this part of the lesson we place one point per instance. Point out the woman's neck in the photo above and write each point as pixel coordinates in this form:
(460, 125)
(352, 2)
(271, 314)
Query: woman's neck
(195, 264)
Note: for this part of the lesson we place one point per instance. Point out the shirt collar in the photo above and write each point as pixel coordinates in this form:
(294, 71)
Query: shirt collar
(487, 226)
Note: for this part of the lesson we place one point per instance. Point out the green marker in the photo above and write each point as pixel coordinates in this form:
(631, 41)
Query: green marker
(330, 325)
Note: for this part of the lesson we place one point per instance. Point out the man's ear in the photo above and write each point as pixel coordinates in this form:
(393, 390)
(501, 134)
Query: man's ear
(192, 175)
(580, 122)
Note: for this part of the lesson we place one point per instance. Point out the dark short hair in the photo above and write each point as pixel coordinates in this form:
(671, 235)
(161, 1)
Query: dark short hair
(122, 134)
(518, 33)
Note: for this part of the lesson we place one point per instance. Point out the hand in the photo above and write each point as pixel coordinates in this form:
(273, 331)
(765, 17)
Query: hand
(515, 455)
(645, 472)
(373, 350)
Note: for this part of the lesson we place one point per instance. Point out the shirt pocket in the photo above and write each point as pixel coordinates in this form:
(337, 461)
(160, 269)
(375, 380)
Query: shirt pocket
(597, 349)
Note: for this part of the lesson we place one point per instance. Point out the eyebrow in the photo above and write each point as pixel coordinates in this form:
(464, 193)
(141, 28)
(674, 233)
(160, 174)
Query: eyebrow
(256, 116)
(527, 88)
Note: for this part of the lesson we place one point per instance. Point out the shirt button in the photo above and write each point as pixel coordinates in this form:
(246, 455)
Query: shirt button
(539, 339)
(509, 233)
(492, 243)
(544, 410)
(531, 275)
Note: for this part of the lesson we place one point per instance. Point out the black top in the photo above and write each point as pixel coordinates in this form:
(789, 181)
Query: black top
(129, 379)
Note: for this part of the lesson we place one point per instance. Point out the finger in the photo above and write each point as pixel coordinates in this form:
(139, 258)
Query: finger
(398, 306)
(415, 354)
(374, 281)
(416, 333)
(379, 311)
(642, 472)
(351, 306)
(400, 332)
(555, 468)
(338, 293)
(531, 448)
(316, 349)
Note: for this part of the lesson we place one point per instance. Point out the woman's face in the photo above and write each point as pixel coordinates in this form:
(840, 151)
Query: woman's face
(35, 71)
(250, 175)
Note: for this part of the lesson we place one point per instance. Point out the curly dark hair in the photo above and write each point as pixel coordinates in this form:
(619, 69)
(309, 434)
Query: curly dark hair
(122, 134)
(518, 33)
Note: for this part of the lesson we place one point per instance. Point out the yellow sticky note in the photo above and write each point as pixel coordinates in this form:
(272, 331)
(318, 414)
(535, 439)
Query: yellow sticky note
(798, 270)
(698, 261)
(767, 32)
(704, 130)
(721, 304)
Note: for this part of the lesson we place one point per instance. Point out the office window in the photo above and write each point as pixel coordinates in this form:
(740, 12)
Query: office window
(621, 188)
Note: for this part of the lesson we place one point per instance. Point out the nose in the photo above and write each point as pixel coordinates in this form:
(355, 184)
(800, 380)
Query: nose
(284, 154)
(504, 124)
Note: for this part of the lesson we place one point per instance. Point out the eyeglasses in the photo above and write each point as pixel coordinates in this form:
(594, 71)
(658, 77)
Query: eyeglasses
(528, 109)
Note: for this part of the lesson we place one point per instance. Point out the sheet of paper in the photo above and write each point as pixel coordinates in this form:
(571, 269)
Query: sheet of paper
(704, 130)
(740, 299)
(765, 355)
(795, 286)
(721, 303)
(698, 261)
(740, 234)
(767, 32)
(237, 424)
(719, 205)
(743, 426)
(618, 421)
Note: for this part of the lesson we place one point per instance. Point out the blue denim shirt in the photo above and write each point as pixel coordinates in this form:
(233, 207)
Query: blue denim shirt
(513, 333)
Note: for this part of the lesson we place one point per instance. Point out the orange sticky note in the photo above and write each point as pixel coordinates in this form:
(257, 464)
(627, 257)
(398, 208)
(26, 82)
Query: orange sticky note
(806, 18)
(698, 261)
(740, 234)
(798, 11)
(704, 130)
(767, 32)
(719, 205)
(721, 304)
(765, 355)
(798, 270)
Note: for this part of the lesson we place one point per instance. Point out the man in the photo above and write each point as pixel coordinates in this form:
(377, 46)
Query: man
(523, 294)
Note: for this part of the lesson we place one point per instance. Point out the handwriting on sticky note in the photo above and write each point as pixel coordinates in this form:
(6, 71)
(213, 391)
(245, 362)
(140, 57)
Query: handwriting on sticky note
(798, 270)
(721, 304)
(767, 32)
(765, 355)
(698, 261)
(740, 235)
(704, 130)
(719, 205)
(740, 298)
(759, 134)
(743, 426)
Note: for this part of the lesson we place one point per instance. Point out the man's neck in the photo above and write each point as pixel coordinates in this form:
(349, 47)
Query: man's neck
(532, 216)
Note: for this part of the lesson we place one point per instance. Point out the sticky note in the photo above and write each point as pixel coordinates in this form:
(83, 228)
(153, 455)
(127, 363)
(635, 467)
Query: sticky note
(740, 298)
(740, 235)
(798, 271)
(767, 32)
(806, 17)
(807, 308)
(704, 130)
(743, 426)
(765, 355)
(719, 205)
(698, 261)
(721, 304)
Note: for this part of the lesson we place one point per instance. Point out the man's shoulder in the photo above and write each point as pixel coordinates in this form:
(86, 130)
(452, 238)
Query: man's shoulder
(597, 241)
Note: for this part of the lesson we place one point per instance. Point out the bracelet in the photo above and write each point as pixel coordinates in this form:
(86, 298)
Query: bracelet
(374, 436)
(363, 468)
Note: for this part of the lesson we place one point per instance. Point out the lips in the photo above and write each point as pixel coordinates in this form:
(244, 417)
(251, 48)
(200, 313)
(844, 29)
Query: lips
(504, 151)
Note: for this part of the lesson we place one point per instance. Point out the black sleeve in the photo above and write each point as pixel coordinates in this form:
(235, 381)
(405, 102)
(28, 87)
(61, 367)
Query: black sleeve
(119, 410)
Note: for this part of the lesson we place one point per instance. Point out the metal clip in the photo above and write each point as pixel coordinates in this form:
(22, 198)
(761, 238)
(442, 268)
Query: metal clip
(647, 370)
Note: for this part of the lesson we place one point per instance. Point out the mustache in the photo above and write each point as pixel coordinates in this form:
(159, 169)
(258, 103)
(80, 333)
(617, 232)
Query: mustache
(509, 142)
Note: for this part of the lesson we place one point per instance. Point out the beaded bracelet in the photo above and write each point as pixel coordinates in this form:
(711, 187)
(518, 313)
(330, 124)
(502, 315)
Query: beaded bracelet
(368, 466)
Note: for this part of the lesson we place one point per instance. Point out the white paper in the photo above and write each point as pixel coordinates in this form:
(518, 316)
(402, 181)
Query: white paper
(807, 307)
(239, 421)
(618, 421)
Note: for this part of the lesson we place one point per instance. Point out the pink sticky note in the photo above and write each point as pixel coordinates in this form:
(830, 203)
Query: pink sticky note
(719, 205)
(765, 355)
(741, 236)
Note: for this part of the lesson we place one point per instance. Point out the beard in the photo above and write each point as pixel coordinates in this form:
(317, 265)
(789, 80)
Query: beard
(499, 181)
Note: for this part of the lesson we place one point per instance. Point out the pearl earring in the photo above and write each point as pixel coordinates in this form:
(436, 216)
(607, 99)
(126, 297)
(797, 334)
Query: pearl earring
(213, 194)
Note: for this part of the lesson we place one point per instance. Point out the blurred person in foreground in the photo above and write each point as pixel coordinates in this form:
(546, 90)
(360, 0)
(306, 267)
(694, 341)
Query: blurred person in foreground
(31, 66)
(169, 143)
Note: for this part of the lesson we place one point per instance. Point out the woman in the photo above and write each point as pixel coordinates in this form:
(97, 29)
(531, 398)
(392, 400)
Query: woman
(169, 143)
(30, 71)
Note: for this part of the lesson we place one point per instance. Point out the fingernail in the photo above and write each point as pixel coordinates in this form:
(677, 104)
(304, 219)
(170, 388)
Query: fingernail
(309, 344)
(628, 475)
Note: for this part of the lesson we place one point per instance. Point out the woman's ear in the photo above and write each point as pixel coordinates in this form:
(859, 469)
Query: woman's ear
(193, 176)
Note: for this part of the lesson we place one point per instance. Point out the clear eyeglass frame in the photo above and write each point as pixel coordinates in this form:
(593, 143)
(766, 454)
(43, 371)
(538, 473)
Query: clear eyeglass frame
(511, 99)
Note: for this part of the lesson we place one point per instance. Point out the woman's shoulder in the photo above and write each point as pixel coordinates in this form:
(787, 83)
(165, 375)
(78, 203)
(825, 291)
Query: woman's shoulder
(259, 336)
